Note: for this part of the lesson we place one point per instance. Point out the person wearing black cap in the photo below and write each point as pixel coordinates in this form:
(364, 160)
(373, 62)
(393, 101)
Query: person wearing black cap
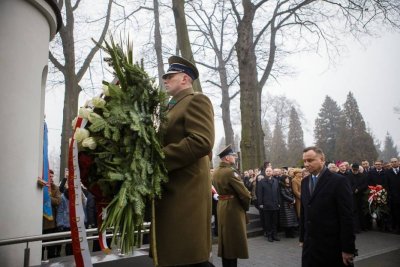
(183, 214)
(359, 184)
(234, 201)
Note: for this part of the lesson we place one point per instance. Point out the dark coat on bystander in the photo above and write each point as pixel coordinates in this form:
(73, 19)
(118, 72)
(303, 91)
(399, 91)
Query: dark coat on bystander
(326, 220)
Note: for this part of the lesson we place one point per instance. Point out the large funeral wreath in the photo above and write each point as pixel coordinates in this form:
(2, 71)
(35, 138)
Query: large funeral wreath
(120, 155)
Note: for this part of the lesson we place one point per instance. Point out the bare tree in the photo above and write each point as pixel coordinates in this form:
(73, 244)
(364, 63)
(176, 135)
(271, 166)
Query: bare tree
(132, 11)
(182, 34)
(214, 31)
(70, 69)
(158, 42)
(278, 108)
(281, 21)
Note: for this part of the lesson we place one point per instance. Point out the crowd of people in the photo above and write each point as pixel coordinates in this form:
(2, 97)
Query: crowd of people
(313, 203)
(337, 204)
(276, 193)
(60, 214)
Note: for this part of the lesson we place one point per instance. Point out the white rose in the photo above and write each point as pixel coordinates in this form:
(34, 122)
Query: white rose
(98, 102)
(85, 112)
(81, 134)
(106, 91)
(89, 143)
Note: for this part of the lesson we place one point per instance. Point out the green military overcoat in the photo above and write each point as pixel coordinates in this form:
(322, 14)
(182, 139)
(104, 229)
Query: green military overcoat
(183, 214)
(232, 238)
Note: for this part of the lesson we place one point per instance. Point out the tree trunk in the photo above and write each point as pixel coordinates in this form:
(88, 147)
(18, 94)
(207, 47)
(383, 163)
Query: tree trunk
(252, 145)
(225, 105)
(158, 44)
(71, 93)
(72, 90)
(178, 6)
(71, 77)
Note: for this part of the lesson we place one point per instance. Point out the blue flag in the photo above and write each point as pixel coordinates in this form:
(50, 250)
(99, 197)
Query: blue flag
(47, 212)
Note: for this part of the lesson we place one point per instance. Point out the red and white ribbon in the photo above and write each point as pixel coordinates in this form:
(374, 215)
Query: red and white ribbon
(80, 245)
(102, 235)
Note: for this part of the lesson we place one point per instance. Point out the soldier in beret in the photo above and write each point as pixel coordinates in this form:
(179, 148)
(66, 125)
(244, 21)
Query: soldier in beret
(234, 201)
(183, 214)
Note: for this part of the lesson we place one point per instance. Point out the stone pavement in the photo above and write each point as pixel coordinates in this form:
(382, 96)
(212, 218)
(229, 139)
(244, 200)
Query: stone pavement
(376, 249)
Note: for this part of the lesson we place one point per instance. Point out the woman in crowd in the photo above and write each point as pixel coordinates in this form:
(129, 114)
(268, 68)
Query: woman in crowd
(288, 218)
(296, 187)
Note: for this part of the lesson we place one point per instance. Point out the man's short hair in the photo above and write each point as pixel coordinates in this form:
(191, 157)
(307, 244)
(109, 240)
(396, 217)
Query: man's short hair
(51, 171)
(316, 150)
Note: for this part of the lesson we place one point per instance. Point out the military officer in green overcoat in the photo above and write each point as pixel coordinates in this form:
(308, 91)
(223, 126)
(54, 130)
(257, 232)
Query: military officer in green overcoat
(183, 214)
(233, 202)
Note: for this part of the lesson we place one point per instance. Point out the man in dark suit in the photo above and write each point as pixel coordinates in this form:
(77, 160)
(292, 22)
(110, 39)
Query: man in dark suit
(183, 214)
(268, 198)
(365, 165)
(326, 221)
(377, 176)
(393, 177)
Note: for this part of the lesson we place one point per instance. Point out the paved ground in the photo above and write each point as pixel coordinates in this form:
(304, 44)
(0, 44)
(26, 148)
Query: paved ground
(376, 249)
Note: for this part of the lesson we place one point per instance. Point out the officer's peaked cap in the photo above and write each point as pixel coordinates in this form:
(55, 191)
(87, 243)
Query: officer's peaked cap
(226, 151)
(181, 65)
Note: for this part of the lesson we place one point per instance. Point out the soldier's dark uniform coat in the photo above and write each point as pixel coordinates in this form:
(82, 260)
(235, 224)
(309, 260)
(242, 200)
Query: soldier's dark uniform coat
(183, 214)
(232, 239)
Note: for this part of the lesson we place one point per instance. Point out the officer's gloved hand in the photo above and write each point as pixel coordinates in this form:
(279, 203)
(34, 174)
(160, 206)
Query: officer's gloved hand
(261, 206)
(215, 197)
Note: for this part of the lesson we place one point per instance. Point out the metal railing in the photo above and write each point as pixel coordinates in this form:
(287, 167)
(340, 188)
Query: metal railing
(58, 235)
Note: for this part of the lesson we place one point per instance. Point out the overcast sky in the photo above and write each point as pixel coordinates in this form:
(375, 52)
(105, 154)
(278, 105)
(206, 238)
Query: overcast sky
(371, 71)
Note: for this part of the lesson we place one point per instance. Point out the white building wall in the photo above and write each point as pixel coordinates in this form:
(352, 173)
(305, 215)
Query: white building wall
(25, 31)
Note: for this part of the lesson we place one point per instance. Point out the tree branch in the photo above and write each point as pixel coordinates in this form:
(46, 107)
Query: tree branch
(96, 47)
(207, 66)
(56, 63)
(235, 10)
(76, 5)
(214, 83)
(137, 10)
(233, 80)
(234, 95)
(260, 4)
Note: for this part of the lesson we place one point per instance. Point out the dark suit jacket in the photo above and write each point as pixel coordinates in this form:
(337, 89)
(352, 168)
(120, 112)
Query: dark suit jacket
(393, 181)
(326, 222)
(268, 193)
(375, 178)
